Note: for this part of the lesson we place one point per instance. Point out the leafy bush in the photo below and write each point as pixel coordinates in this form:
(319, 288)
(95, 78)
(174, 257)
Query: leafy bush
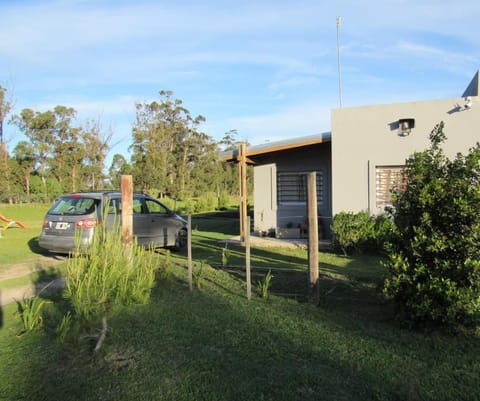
(360, 232)
(206, 203)
(434, 260)
(188, 206)
(224, 200)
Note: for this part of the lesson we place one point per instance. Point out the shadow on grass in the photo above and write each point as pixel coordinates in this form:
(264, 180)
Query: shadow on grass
(213, 344)
(49, 283)
(35, 248)
(357, 282)
(1, 311)
(227, 223)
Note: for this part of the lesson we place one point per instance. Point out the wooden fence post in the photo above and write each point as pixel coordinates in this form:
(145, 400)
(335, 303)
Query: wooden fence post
(242, 158)
(247, 261)
(127, 210)
(189, 251)
(313, 239)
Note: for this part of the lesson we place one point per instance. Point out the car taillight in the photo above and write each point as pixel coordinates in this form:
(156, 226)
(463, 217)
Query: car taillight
(86, 223)
(46, 223)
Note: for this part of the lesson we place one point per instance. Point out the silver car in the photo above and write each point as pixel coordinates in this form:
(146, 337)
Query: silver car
(154, 224)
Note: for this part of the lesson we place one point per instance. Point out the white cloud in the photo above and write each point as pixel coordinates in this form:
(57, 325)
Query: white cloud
(267, 69)
(298, 120)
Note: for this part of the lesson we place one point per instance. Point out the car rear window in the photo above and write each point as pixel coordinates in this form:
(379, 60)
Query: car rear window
(74, 206)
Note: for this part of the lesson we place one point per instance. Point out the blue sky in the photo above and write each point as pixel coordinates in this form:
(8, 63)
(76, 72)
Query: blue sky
(265, 68)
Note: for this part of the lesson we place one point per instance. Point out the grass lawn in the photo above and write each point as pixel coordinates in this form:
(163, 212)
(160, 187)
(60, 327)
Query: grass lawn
(214, 344)
(18, 244)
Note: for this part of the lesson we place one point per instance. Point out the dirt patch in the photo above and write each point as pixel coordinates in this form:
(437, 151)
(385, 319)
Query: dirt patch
(268, 242)
(21, 269)
(16, 270)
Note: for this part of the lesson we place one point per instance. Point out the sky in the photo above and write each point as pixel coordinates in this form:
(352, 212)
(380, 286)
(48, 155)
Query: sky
(269, 69)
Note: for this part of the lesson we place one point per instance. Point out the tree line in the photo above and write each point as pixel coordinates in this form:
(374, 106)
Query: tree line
(170, 155)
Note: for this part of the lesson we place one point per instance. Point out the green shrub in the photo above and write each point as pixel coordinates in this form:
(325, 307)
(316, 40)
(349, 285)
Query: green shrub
(188, 207)
(206, 203)
(224, 200)
(106, 276)
(360, 232)
(383, 232)
(169, 202)
(434, 260)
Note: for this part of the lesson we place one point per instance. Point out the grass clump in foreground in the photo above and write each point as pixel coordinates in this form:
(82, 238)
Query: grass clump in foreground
(214, 344)
(100, 280)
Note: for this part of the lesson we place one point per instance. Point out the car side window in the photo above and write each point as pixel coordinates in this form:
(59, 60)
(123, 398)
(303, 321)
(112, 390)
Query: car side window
(155, 207)
(114, 206)
(137, 206)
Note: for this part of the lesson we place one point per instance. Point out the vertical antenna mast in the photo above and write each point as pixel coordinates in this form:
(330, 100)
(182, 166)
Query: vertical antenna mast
(339, 22)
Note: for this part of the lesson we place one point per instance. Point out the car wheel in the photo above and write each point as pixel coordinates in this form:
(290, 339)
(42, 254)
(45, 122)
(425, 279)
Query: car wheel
(181, 240)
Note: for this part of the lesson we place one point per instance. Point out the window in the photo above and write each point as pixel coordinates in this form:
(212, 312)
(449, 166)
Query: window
(137, 206)
(155, 207)
(292, 187)
(74, 205)
(388, 178)
(114, 206)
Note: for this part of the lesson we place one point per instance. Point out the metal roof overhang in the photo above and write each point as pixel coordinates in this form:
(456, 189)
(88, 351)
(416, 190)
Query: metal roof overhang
(278, 146)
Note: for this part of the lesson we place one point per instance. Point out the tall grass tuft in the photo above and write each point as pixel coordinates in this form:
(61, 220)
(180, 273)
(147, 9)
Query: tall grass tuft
(30, 312)
(164, 271)
(225, 255)
(108, 275)
(198, 276)
(264, 285)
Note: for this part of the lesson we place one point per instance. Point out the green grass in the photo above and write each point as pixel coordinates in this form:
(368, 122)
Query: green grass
(214, 344)
(17, 244)
(16, 282)
(36, 277)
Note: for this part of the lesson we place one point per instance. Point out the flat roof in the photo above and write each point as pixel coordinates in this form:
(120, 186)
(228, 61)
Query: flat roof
(278, 146)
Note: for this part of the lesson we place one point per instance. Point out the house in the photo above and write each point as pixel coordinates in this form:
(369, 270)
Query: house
(371, 143)
(358, 162)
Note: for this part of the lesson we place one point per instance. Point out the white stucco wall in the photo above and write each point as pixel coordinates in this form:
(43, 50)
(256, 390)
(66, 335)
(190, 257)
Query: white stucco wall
(366, 137)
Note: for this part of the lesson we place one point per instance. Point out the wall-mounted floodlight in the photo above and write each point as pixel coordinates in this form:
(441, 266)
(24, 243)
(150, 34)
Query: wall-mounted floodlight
(466, 106)
(405, 126)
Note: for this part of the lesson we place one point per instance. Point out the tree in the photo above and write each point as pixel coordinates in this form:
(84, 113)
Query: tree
(119, 167)
(165, 137)
(434, 259)
(38, 127)
(72, 155)
(25, 157)
(67, 149)
(5, 107)
(229, 141)
(95, 150)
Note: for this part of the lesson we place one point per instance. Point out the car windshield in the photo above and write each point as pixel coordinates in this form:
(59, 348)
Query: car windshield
(73, 206)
